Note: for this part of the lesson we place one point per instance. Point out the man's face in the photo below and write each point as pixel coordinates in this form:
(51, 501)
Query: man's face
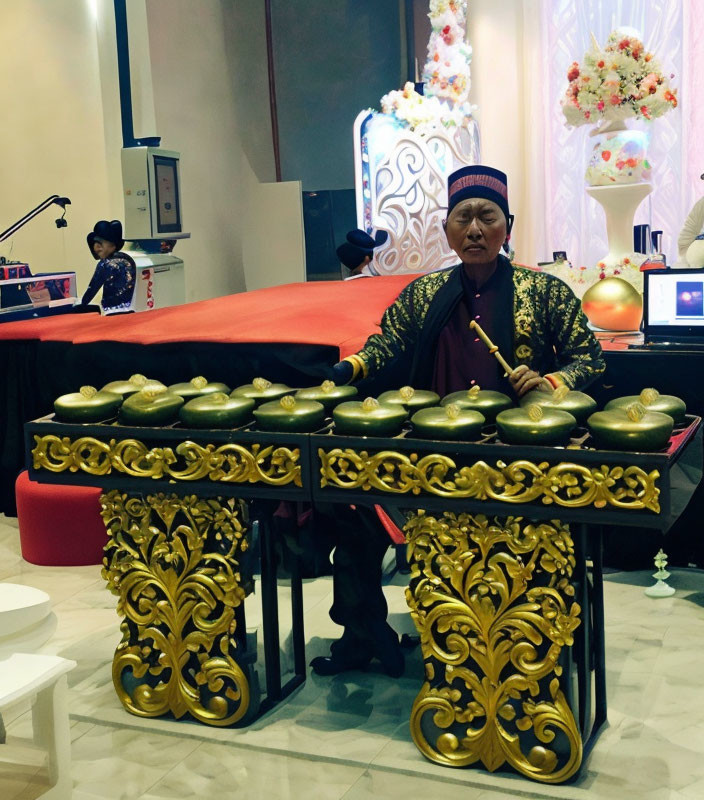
(476, 230)
(103, 249)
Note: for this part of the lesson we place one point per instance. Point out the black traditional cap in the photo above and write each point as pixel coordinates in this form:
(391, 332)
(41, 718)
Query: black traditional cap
(358, 246)
(109, 232)
(478, 181)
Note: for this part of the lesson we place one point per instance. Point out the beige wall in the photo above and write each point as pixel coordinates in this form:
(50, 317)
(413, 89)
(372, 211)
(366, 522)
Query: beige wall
(505, 64)
(196, 115)
(62, 132)
(51, 139)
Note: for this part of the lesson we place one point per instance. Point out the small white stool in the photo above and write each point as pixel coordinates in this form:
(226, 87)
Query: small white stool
(24, 676)
(26, 619)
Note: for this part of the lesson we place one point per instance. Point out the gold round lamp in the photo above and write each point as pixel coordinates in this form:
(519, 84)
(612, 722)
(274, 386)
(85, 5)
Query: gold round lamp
(448, 422)
(152, 407)
(369, 417)
(87, 405)
(262, 391)
(198, 386)
(216, 410)
(410, 398)
(328, 393)
(633, 428)
(487, 402)
(652, 400)
(535, 425)
(578, 404)
(613, 304)
(135, 383)
(290, 414)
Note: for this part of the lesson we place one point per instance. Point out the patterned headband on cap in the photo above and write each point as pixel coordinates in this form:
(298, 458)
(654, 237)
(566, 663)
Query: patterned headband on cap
(478, 181)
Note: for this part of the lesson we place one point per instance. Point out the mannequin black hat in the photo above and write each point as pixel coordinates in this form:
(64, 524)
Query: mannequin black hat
(358, 246)
(109, 232)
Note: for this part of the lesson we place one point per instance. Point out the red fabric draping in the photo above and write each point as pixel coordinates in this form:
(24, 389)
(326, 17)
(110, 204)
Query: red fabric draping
(337, 313)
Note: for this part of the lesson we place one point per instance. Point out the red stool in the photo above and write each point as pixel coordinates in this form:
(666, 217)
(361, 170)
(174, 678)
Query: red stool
(60, 526)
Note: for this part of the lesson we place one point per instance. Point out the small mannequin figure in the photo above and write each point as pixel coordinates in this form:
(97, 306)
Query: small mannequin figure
(357, 254)
(115, 272)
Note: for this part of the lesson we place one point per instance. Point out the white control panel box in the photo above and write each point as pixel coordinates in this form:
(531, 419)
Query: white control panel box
(152, 193)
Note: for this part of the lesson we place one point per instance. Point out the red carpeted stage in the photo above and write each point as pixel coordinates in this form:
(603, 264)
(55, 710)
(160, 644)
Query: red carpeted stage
(339, 314)
(287, 333)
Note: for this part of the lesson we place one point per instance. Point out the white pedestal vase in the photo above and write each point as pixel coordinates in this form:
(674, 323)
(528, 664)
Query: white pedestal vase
(620, 203)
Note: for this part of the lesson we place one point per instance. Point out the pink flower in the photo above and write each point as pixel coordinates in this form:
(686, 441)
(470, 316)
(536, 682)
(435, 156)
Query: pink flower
(573, 71)
(623, 44)
(600, 105)
(615, 100)
(645, 111)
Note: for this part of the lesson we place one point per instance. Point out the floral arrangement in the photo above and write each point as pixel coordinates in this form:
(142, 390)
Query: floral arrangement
(446, 72)
(421, 113)
(615, 82)
(446, 75)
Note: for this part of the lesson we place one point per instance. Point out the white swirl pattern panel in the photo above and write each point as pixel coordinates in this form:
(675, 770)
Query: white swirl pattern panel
(409, 197)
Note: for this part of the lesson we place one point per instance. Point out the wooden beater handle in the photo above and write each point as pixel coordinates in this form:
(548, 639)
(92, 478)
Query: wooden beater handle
(493, 349)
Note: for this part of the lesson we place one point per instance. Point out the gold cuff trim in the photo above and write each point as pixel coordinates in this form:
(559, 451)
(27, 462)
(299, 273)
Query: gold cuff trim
(358, 366)
(556, 376)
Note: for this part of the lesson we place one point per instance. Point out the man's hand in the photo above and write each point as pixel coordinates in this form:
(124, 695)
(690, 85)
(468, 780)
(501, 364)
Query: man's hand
(524, 380)
(341, 373)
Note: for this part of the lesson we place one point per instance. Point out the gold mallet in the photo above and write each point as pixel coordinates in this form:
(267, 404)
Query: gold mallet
(493, 349)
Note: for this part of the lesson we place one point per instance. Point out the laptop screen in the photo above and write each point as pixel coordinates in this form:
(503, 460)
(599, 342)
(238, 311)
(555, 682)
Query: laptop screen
(674, 303)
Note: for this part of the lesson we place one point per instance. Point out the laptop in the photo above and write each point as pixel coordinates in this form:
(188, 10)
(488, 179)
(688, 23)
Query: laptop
(673, 309)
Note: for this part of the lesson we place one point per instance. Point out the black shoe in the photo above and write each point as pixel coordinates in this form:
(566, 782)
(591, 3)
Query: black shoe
(386, 648)
(334, 665)
(347, 653)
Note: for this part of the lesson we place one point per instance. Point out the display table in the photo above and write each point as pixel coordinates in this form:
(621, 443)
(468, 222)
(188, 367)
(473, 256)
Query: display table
(287, 332)
(504, 547)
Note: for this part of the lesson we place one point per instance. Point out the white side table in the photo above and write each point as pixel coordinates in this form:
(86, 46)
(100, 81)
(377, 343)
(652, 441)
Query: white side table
(24, 676)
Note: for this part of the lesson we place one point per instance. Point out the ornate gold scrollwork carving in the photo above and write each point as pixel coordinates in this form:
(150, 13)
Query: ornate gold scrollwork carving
(174, 564)
(188, 461)
(493, 602)
(564, 484)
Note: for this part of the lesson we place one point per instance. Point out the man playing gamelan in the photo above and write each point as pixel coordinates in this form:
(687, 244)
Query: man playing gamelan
(426, 342)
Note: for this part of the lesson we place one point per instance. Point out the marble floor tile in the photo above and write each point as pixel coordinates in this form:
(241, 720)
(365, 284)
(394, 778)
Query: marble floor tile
(348, 736)
(109, 763)
(218, 771)
(375, 784)
(23, 766)
(17, 780)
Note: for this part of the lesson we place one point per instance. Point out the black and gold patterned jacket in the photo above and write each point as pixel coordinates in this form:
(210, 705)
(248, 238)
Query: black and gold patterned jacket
(539, 319)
